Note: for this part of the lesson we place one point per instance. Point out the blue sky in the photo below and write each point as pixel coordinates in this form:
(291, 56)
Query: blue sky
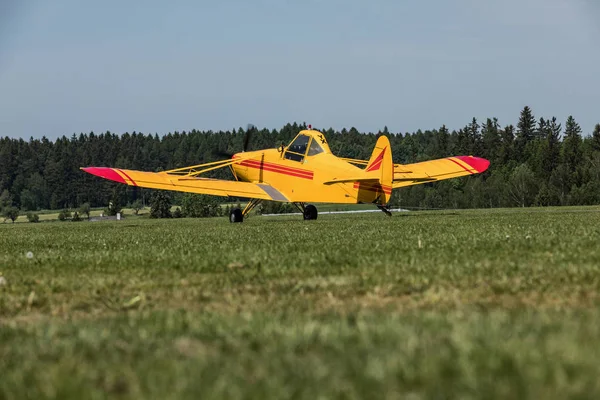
(154, 66)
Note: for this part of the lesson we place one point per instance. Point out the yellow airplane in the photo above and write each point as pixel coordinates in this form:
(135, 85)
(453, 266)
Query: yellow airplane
(306, 171)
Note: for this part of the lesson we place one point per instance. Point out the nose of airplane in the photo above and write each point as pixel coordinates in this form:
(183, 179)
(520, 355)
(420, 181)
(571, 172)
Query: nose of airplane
(477, 163)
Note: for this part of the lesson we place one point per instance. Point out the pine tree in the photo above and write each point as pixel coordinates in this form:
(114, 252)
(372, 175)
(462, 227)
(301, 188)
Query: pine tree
(525, 133)
(551, 157)
(540, 132)
(491, 140)
(507, 143)
(596, 138)
(464, 145)
(572, 151)
(441, 145)
(474, 137)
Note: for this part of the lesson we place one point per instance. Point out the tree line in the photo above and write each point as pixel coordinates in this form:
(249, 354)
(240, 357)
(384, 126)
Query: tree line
(538, 162)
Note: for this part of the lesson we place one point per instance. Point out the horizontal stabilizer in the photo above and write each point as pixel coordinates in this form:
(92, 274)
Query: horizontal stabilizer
(437, 170)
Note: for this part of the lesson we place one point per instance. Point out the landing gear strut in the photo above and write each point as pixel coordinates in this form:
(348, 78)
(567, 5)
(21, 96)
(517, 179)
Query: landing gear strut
(384, 209)
(237, 215)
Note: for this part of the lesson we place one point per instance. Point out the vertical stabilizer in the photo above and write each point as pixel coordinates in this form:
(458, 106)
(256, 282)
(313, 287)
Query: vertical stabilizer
(382, 165)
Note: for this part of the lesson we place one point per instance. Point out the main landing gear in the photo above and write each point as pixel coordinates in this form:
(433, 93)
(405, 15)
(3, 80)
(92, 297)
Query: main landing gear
(309, 212)
(237, 215)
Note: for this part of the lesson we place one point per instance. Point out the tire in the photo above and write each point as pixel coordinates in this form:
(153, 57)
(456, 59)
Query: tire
(236, 215)
(310, 212)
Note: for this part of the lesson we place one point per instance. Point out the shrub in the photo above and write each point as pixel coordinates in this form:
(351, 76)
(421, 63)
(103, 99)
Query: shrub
(113, 208)
(160, 205)
(273, 207)
(85, 209)
(11, 213)
(32, 217)
(201, 206)
(137, 206)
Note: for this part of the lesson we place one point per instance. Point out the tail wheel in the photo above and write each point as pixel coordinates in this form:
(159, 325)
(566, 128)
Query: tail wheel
(236, 215)
(310, 212)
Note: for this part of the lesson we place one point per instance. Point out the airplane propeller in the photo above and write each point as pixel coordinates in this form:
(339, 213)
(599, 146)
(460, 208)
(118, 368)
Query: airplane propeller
(250, 129)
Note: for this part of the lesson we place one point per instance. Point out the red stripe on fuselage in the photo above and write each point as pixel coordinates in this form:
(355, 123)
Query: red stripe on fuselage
(281, 167)
(300, 173)
(259, 164)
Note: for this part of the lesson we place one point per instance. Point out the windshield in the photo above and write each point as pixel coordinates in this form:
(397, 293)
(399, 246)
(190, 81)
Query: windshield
(297, 149)
(315, 148)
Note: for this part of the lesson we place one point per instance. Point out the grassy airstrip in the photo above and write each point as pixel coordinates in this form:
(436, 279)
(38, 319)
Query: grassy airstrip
(465, 304)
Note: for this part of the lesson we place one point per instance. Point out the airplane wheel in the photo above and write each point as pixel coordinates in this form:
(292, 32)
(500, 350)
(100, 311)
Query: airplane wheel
(236, 215)
(310, 212)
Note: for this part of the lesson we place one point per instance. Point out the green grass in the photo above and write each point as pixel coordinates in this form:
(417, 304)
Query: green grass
(465, 304)
(52, 215)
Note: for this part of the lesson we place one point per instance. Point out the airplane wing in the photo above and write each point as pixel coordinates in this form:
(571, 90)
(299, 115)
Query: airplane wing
(186, 183)
(437, 170)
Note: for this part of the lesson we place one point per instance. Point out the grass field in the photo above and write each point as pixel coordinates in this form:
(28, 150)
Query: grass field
(466, 304)
(52, 215)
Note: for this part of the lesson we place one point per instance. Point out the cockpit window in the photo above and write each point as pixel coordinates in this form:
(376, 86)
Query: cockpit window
(315, 148)
(297, 149)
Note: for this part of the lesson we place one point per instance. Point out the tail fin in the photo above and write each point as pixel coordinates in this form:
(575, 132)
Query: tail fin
(381, 163)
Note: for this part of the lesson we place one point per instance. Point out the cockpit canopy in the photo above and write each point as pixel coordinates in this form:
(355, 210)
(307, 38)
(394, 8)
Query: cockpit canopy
(306, 144)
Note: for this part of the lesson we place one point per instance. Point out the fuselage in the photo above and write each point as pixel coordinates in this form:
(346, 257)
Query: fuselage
(301, 176)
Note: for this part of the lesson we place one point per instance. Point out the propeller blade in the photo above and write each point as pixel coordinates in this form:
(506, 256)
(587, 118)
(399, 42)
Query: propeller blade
(249, 130)
(222, 154)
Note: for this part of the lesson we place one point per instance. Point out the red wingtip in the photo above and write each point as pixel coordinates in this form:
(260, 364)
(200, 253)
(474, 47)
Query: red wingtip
(106, 173)
(477, 163)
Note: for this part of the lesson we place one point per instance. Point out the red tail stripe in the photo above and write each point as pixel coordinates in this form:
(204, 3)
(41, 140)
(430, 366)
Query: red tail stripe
(375, 166)
(373, 187)
(377, 162)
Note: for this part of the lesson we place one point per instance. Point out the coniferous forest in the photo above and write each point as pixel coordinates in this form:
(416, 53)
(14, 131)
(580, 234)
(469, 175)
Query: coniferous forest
(537, 162)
